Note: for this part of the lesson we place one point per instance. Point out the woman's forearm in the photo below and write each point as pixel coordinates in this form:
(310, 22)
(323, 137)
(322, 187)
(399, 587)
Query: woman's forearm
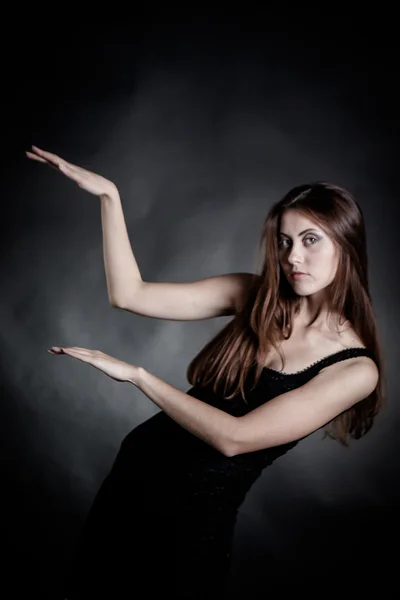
(122, 271)
(213, 426)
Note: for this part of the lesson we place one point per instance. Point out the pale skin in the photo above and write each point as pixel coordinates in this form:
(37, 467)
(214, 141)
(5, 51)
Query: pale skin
(283, 419)
(305, 247)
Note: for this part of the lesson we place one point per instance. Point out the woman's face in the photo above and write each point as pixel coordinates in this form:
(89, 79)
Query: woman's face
(303, 246)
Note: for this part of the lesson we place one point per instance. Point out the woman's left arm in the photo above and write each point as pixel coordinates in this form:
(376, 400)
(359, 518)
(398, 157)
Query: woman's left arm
(287, 417)
(213, 426)
(283, 419)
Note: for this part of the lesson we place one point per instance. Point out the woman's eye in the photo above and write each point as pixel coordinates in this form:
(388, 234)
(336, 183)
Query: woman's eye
(310, 237)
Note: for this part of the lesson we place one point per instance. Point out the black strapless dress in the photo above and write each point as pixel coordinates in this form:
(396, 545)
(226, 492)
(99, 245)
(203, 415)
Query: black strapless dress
(163, 520)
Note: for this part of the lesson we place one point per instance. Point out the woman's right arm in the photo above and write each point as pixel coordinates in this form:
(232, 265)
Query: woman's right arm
(220, 295)
(122, 272)
(217, 296)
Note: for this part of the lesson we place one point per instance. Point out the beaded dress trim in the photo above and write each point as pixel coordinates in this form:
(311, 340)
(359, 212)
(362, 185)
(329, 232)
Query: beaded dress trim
(341, 354)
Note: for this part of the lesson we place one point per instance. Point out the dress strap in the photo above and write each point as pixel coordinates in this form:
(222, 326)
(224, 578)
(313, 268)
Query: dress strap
(329, 360)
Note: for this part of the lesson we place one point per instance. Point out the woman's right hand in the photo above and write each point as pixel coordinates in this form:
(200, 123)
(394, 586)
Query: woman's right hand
(92, 183)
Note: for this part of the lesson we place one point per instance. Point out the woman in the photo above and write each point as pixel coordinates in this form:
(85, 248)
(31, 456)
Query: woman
(163, 520)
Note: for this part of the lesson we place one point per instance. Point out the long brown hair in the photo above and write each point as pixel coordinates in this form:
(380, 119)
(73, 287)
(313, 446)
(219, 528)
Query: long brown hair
(266, 316)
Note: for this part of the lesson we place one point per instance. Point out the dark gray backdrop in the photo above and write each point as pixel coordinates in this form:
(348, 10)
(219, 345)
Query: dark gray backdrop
(202, 127)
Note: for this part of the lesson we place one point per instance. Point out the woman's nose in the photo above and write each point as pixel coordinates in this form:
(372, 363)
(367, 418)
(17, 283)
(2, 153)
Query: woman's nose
(294, 256)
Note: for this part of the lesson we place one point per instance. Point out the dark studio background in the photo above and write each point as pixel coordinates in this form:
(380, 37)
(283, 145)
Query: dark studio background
(202, 126)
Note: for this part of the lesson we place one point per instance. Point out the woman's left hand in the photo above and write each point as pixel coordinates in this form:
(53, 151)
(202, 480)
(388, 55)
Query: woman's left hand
(114, 368)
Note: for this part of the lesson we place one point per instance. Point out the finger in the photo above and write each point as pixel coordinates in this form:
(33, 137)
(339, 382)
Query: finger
(57, 160)
(72, 349)
(41, 160)
(35, 157)
(49, 157)
(57, 350)
(46, 155)
(77, 354)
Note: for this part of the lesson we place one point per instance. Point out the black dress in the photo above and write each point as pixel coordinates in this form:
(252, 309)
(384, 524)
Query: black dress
(163, 520)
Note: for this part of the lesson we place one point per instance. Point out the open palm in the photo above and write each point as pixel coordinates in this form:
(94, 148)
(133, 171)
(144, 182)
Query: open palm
(114, 368)
(91, 182)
